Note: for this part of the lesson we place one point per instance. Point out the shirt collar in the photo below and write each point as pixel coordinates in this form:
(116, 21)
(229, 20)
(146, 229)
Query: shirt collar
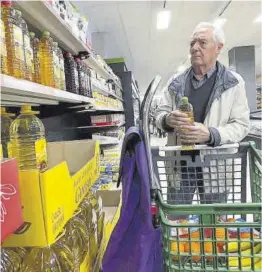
(207, 75)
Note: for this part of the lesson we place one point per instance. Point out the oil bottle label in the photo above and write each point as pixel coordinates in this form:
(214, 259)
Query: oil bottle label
(2, 40)
(41, 154)
(28, 51)
(18, 40)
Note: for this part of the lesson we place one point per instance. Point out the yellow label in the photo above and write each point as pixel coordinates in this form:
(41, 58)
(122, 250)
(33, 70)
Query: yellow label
(18, 40)
(41, 154)
(1, 151)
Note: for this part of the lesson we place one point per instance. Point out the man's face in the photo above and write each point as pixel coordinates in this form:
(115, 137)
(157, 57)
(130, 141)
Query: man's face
(203, 49)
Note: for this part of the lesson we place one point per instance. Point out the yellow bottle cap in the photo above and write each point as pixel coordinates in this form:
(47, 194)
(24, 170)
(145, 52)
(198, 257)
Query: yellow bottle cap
(26, 109)
(4, 113)
(184, 99)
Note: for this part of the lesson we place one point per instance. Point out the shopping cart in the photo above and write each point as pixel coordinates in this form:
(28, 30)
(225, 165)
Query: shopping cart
(224, 233)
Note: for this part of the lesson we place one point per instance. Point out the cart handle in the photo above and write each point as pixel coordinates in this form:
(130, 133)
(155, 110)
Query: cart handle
(197, 147)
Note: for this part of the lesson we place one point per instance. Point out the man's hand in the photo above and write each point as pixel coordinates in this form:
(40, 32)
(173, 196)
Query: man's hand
(196, 134)
(176, 119)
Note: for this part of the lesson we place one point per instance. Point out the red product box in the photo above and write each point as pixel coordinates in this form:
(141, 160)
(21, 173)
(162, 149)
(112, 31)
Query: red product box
(10, 202)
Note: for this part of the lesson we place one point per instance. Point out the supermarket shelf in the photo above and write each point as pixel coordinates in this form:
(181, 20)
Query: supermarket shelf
(106, 140)
(104, 126)
(93, 108)
(96, 86)
(41, 15)
(18, 92)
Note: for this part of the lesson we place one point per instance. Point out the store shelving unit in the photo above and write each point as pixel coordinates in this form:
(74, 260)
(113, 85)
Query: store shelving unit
(102, 126)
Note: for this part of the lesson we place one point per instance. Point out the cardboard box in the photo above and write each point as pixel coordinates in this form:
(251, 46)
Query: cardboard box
(11, 208)
(50, 198)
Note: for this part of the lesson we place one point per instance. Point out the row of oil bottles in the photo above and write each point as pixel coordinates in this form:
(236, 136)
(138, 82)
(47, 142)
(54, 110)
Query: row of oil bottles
(81, 240)
(24, 56)
(24, 139)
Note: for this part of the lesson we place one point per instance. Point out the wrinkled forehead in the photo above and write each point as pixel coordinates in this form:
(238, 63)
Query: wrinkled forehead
(202, 33)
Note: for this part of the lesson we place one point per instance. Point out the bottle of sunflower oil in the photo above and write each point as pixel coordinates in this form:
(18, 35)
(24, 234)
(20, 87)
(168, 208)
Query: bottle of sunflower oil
(3, 51)
(14, 39)
(187, 108)
(47, 71)
(58, 258)
(28, 52)
(62, 69)
(36, 63)
(56, 65)
(10, 260)
(27, 140)
(5, 129)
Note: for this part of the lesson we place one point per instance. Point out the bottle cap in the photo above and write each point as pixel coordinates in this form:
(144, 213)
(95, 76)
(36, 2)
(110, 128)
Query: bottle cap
(78, 60)
(4, 113)
(46, 33)
(18, 12)
(32, 35)
(68, 55)
(6, 3)
(27, 109)
(55, 44)
(184, 99)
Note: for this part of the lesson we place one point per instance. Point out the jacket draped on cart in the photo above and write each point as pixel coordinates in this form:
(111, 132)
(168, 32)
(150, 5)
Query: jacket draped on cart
(227, 112)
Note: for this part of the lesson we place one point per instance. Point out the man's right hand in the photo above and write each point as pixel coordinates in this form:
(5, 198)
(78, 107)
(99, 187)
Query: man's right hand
(176, 119)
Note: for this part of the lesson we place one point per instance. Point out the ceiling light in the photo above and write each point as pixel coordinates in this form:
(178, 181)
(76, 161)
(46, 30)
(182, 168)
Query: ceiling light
(220, 22)
(163, 19)
(258, 19)
(181, 68)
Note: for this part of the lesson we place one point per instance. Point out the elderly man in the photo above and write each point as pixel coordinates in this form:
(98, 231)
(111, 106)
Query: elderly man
(220, 108)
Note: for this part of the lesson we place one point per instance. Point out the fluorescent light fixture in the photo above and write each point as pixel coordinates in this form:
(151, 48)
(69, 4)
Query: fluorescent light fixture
(258, 19)
(181, 68)
(163, 19)
(220, 22)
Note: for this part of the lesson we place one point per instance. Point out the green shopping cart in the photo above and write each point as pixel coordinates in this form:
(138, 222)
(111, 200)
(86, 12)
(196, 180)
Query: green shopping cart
(209, 204)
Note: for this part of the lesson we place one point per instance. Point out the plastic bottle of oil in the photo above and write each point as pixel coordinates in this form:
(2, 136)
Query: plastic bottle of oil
(28, 52)
(56, 65)
(27, 140)
(62, 70)
(3, 51)
(14, 39)
(36, 63)
(47, 71)
(57, 257)
(5, 129)
(187, 108)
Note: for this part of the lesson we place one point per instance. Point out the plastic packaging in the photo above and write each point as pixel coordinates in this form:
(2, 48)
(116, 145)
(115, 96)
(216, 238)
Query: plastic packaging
(62, 70)
(71, 74)
(14, 39)
(28, 52)
(3, 51)
(57, 257)
(5, 129)
(10, 260)
(27, 141)
(47, 68)
(36, 61)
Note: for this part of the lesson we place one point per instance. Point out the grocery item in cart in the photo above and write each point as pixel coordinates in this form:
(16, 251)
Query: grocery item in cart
(57, 73)
(187, 108)
(5, 129)
(10, 260)
(61, 69)
(28, 52)
(27, 140)
(76, 238)
(57, 257)
(36, 61)
(71, 74)
(3, 51)
(46, 56)
(14, 39)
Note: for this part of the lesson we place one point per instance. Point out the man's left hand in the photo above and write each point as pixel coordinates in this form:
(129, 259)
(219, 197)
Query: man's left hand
(196, 134)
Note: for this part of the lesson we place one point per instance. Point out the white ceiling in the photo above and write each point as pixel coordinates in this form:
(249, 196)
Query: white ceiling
(129, 29)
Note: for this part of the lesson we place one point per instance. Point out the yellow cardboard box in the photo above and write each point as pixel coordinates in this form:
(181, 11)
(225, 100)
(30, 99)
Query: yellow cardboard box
(49, 199)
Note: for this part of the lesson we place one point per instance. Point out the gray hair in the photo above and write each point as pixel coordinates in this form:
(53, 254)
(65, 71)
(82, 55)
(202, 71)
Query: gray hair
(218, 33)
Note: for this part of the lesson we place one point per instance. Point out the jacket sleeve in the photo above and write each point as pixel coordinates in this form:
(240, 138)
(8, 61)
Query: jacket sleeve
(237, 126)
